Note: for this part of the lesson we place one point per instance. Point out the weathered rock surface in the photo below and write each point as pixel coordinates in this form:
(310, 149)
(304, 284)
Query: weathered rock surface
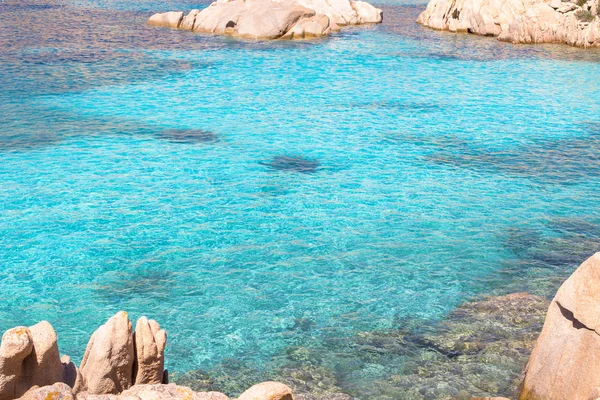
(57, 391)
(252, 19)
(169, 392)
(170, 19)
(565, 362)
(107, 365)
(272, 19)
(150, 342)
(518, 21)
(268, 391)
(29, 357)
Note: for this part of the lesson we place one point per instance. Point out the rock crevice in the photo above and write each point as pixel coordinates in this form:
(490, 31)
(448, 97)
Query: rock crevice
(569, 316)
(565, 362)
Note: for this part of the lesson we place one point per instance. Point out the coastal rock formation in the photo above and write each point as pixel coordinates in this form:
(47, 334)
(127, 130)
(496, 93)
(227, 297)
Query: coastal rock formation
(170, 19)
(118, 364)
(150, 342)
(519, 21)
(116, 358)
(29, 357)
(268, 391)
(565, 362)
(272, 19)
(107, 365)
(168, 392)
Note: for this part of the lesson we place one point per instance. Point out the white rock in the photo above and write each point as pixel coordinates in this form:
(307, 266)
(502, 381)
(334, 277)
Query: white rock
(517, 21)
(170, 19)
(273, 19)
(189, 20)
(367, 14)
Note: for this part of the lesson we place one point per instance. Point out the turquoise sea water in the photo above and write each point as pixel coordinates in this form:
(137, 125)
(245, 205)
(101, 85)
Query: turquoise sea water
(256, 196)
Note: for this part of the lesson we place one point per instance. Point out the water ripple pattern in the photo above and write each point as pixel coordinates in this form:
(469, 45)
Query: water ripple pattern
(254, 196)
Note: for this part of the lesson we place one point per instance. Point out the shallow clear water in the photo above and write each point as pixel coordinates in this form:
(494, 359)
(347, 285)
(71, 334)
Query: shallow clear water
(256, 196)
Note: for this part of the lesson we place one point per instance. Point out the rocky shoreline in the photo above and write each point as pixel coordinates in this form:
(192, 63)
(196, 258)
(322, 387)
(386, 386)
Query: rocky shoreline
(271, 19)
(576, 23)
(497, 333)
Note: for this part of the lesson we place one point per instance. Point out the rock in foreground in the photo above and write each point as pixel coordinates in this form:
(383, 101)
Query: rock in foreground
(268, 391)
(519, 21)
(565, 362)
(118, 364)
(29, 357)
(272, 19)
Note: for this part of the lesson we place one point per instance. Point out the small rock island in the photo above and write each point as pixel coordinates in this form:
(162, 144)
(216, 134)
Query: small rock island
(272, 19)
(576, 23)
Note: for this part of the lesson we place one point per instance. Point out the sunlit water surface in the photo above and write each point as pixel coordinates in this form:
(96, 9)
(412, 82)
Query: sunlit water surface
(257, 196)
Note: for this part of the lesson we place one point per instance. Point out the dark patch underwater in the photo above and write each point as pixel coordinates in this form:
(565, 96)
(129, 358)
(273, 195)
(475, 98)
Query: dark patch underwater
(293, 164)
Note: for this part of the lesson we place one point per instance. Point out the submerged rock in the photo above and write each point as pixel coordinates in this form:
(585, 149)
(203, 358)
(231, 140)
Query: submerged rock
(518, 21)
(565, 363)
(187, 136)
(509, 324)
(272, 19)
(478, 350)
(297, 164)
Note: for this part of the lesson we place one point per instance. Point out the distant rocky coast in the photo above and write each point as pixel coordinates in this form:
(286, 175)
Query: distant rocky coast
(120, 364)
(272, 19)
(576, 22)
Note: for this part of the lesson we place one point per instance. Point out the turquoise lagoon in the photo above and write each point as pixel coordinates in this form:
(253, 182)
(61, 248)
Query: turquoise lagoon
(255, 196)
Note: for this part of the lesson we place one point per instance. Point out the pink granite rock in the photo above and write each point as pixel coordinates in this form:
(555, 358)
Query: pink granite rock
(107, 365)
(565, 362)
(150, 342)
(57, 391)
(268, 391)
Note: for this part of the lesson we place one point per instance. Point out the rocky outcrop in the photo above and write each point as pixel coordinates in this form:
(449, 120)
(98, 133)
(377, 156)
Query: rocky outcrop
(116, 358)
(565, 362)
(29, 357)
(150, 342)
(519, 21)
(272, 19)
(62, 391)
(168, 19)
(268, 391)
(168, 392)
(107, 365)
(118, 364)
